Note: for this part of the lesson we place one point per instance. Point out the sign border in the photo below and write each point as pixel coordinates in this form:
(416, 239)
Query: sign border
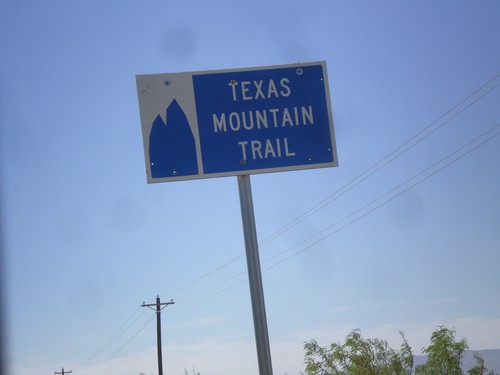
(145, 81)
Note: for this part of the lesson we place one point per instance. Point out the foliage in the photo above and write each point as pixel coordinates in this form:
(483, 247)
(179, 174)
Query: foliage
(406, 353)
(193, 372)
(358, 356)
(444, 354)
(479, 368)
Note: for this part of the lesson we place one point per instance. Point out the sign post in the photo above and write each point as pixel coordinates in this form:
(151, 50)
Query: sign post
(254, 276)
(238, 122)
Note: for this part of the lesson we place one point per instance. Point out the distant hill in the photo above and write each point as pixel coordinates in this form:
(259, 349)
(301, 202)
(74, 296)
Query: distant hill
(491, 359)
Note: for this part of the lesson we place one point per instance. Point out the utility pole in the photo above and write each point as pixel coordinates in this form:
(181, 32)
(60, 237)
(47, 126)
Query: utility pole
(62, 372)
(159, 307)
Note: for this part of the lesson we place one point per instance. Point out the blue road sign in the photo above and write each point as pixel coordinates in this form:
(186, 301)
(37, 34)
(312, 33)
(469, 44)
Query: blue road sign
(236, 121)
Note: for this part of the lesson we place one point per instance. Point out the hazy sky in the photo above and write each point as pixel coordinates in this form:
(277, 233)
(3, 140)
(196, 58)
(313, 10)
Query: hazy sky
(412, 244)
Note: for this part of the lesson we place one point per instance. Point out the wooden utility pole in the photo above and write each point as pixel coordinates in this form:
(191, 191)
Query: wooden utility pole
(159, 307)
(62, 372)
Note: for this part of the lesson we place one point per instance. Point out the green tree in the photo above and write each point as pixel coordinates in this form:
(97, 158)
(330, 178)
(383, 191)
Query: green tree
(479, 368)
(358, 356)
(444, 354)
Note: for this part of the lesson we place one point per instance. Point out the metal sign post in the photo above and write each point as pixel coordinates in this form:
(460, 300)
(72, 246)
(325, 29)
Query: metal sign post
(238, 122)
(255, 276)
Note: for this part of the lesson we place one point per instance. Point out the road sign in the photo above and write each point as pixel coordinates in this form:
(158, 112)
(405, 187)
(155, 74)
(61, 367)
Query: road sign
(236, 121)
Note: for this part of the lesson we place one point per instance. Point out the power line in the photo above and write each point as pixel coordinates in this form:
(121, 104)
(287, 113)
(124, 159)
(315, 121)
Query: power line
(205, 275)
(400, 150)
(216, 293)
(445, 160)
(123, 328)
(403, 148)
(380, 164)
(391, 198)
(121, 347)
(364, 207)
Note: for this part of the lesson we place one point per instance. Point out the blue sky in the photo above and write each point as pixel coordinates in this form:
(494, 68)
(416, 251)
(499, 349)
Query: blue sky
(86, 240)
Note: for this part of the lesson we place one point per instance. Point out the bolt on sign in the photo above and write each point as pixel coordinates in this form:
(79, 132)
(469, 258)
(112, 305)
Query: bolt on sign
(236, 121)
